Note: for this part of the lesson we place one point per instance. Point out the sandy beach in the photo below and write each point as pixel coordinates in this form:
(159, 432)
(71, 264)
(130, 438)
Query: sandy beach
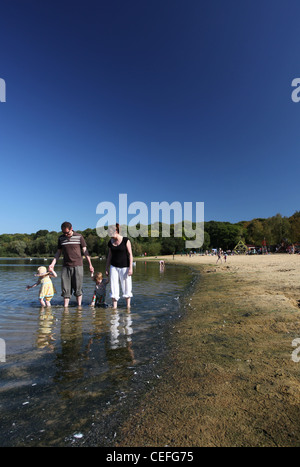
(232, 377)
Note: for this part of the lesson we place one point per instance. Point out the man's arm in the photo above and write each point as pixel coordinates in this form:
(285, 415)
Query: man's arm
(86, 254)
(55, 259)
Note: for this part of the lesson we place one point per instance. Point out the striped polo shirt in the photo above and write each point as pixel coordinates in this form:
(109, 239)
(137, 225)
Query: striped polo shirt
(72, 249)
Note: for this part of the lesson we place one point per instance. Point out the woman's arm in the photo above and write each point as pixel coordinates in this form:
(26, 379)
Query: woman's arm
(108, 262)
(128, 245)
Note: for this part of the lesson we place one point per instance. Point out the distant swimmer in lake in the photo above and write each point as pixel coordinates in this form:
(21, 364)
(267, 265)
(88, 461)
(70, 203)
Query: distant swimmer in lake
(100, 289)
(119, 266)
(47, 289)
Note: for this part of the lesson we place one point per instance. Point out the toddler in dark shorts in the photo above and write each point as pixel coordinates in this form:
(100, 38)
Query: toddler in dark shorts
(100, 289)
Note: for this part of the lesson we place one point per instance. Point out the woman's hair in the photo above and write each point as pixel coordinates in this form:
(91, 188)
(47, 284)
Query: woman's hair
(97, 276)
(118, 228)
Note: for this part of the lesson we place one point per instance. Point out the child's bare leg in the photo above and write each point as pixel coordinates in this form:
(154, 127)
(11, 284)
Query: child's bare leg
(48, 303)
(128, 302)
(42, 302)
(115, 302)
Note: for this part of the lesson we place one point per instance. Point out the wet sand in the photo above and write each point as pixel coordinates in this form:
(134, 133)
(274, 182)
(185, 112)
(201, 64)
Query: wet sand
(229, 378)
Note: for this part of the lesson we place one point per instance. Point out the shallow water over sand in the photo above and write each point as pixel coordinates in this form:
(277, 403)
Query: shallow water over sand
(69, 369)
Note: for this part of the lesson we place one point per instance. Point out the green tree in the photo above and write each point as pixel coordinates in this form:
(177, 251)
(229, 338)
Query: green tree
(17, 247)
(279, 229)
(295, 227)
(255, 232)
(152, 248)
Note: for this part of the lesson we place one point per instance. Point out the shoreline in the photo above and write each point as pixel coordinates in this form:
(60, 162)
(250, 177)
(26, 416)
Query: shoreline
(229, 378)
(105, 430)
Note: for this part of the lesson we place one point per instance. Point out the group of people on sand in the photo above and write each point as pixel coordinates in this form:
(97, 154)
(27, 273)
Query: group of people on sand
(72, 245)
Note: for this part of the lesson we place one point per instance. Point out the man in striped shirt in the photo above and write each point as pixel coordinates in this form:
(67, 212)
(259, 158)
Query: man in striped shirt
(71, 244)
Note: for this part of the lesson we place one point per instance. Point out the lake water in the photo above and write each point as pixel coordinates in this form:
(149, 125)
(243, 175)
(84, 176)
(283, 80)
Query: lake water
(71, 373)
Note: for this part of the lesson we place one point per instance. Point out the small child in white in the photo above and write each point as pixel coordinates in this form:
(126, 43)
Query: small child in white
(100, 289)
(47, 289)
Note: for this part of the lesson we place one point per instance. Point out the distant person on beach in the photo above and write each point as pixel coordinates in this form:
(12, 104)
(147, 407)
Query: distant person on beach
(119, 265)
(47, 289)
(161, 265)
(219, 255)
(100, 289)
(71, 244)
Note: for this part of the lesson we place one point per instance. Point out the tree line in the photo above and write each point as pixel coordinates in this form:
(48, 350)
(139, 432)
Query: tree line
(273, 230)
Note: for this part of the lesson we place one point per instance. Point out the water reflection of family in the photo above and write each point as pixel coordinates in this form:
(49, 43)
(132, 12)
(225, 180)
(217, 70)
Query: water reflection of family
(73, 349)
(119, 349)
(45, 337)
(120, 325)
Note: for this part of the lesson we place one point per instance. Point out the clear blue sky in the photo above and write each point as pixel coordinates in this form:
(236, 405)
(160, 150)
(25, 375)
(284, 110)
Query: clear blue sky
(164, 100)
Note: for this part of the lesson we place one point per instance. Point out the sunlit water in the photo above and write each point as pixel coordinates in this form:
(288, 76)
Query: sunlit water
(67, 371)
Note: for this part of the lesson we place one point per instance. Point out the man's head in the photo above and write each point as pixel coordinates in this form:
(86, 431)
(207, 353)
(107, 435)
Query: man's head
(67, 229)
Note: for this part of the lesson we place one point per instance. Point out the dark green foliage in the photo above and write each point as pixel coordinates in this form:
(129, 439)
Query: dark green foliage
(274, 230)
